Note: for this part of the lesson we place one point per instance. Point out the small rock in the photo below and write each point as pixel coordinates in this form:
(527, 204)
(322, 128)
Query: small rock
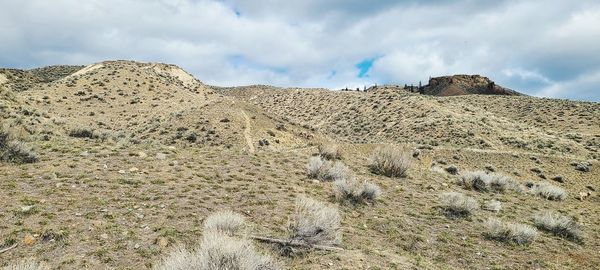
(142, 155)
(162, 242)
(133, 169)
(122, 171)
(536, 170)
(84, 154)
(27, 208)
(136, 246)
(452, 170)
(104, 236)
(29, 240)
(161, 156)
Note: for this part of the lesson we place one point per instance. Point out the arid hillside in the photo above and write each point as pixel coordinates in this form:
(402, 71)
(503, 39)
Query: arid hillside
(128, 165)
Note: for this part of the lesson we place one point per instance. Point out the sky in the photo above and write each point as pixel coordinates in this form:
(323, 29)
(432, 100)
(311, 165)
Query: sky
(545, 48)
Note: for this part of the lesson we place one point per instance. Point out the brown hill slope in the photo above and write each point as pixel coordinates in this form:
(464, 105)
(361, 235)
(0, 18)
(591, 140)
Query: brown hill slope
(157, 151)
(481, 122)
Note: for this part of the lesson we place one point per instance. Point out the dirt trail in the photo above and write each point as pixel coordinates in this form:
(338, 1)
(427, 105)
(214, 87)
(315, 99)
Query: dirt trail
(247, 131)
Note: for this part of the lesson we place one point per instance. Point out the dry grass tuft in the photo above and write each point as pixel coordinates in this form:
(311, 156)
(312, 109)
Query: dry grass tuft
(15, 151)
(549, 191)
(350, 189)
(330, 151)
(390, 161)
(325, 170)
(315, 223)
(226, 222)
(458, 205)
(519, 234)
(493, 205)
(559, 225)
(485, 182)
(27, 264)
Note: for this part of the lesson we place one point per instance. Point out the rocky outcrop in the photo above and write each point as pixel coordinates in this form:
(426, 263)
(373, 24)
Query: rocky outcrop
(464, 85)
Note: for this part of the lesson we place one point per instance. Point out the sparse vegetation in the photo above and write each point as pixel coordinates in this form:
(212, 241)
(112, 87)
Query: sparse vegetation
(485, 182)
(517, 233)
(315, 223)
(458, 205)
(559, 225)
(549, 191)
(390, 161)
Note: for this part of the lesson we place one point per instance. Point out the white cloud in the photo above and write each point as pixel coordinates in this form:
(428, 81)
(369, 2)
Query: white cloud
(302, 43)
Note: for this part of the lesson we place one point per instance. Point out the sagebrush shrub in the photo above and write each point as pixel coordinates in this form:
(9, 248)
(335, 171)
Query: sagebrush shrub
(355, 191)
(558, 224)
(484, 182)
(458, 205)
(330, 151)
(325, 170)
(226, 222)
(12, 150)
(315, 223)
(493, 206)
(517, 233)
(549, 191)
(390, 161)
(216, 252)
(82, 132)
(315, 167)
(26, 264)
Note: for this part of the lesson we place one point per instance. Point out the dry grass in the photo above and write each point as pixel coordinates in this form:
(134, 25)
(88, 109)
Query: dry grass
(559, 225)
(390, 161)
(226, 222)
(325, 170)
(217, 252)
(458, 205)
(315, 223)
(27, 264)
(549, 191)
(517, 233)
(13, 150)
(485, 182)
(330, 151)
(493, 205)
(354, 191)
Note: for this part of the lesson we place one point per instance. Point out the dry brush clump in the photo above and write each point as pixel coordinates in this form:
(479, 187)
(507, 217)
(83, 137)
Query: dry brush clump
(485, 182)
(315, 223)
(26, 264)
(558, 225)
(226, 222)
(458, 205)
(356, 192)
(325, 170)
(330, 151)
(13, 150)
(520, 234)
(219, 249)
(390, 161)
(549, 191)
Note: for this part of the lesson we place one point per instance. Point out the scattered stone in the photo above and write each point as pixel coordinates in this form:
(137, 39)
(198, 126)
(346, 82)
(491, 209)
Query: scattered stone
(583, 167)
(584, 195)
(263, 142)
(104, 236)
(162, 242)
(27, 208)
(84, 154)
(416, 153)
(29, 240)
(122, 171)
(161, 156)
(536, 170)
(142, 155)
(133, 169)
